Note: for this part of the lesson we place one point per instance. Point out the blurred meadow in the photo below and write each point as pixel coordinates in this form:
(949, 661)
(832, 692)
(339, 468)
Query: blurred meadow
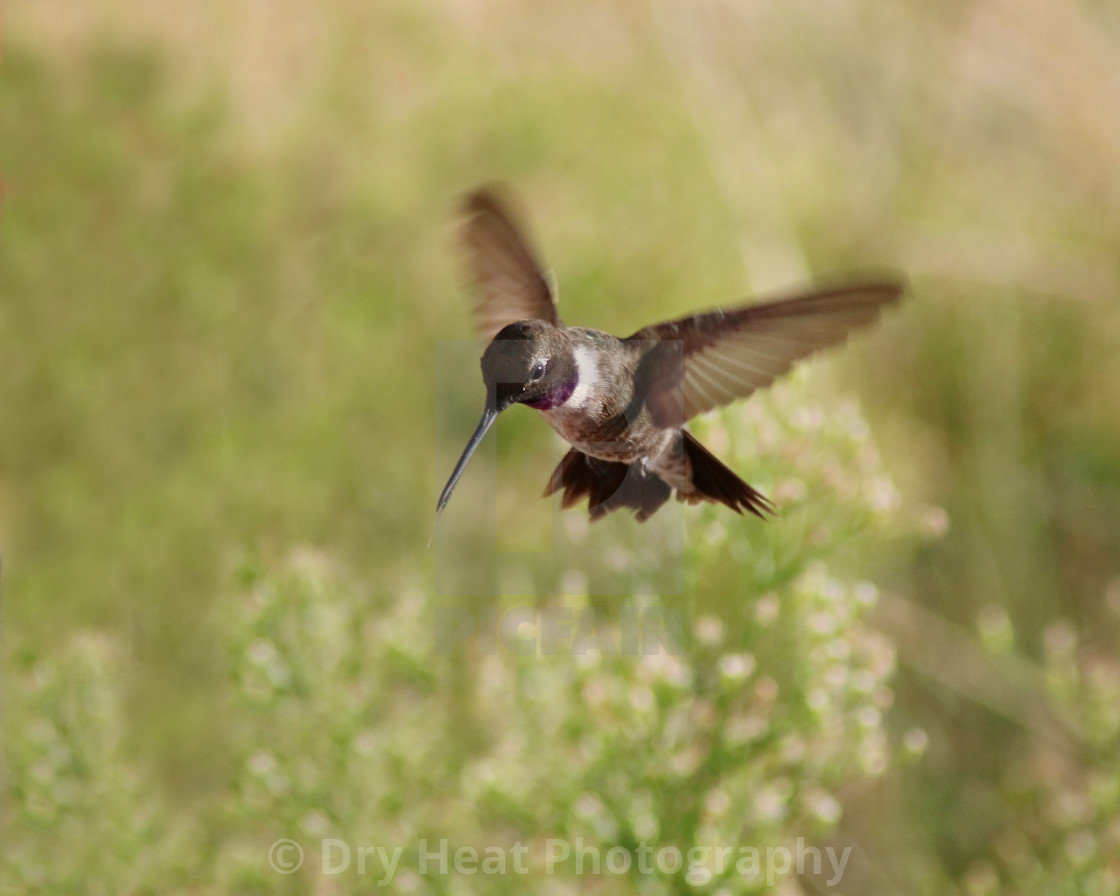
(236, 372)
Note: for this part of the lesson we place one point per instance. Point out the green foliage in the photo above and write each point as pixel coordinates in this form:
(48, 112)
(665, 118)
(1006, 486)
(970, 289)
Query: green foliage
(220, 320)
(347, 717)
(80, 815)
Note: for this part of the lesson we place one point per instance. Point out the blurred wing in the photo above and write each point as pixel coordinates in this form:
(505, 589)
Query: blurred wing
(710, 359)
(502, 267)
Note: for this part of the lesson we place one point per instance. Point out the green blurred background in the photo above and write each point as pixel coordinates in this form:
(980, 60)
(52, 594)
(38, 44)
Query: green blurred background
(225, 275)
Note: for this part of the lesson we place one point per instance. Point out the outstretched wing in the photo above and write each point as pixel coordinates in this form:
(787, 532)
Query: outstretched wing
(709, 359)
(502, 267)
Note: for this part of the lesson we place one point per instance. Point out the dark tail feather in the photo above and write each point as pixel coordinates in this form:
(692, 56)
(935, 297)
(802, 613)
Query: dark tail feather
(607, 485)
(715, 482)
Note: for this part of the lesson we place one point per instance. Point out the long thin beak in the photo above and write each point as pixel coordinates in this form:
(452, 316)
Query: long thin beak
(488, 418)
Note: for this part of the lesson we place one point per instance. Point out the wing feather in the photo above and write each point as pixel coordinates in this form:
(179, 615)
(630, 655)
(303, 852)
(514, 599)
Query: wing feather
(697, 363)
(502, 266)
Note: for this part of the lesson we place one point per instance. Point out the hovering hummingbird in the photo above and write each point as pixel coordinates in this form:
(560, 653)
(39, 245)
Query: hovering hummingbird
(622, 403)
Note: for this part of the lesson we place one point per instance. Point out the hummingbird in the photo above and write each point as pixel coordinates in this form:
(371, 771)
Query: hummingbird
(622, 404)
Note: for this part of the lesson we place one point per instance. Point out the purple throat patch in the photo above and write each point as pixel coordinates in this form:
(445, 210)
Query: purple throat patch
(559, 394)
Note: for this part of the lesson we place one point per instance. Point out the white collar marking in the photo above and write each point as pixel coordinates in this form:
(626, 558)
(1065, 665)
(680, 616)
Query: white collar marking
(587, 369)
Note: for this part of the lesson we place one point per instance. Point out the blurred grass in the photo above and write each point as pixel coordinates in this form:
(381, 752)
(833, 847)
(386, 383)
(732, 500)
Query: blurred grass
(224, 271)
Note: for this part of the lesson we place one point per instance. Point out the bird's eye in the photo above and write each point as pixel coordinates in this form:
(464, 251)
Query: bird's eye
(537, 372)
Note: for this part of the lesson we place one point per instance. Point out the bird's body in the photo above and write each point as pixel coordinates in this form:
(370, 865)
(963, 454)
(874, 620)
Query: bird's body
(594, 418)
(606, 419)
(622, 403)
